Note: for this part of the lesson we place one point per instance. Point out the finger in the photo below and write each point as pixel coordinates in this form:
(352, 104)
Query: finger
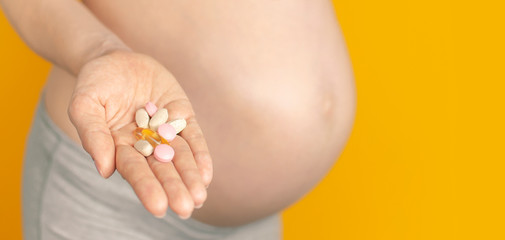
(188, 170)
(193, 135)
(134, 168)
(88, 118)
(179, 198)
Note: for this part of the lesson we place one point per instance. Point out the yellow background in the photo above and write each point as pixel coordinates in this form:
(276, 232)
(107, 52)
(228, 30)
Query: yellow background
(425, 159)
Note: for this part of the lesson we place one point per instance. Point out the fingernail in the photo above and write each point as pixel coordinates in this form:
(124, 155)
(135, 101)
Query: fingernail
(100, 172)
(160, 216)
(199, 206)
(184, 217)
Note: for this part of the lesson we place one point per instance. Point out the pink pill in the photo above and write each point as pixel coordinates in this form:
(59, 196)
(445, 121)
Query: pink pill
(164, 153)
(151, 108)
(167, 131)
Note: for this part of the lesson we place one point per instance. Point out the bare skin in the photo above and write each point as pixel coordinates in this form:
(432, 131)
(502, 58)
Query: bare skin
(270, 83)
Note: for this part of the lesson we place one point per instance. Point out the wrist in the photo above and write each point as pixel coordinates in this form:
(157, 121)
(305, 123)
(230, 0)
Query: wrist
(103, 47)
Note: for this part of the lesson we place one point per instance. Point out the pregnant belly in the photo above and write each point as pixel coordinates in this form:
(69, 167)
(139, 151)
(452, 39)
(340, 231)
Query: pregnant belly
(270, 142)
(272, 139)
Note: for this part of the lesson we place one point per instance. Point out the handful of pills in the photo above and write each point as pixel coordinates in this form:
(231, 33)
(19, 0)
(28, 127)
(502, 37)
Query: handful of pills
(154, 134)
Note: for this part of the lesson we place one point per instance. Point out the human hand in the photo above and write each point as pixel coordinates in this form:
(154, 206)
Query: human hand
(108, 92)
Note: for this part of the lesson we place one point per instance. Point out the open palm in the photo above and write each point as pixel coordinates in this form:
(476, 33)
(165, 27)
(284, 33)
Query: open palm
(108, 92)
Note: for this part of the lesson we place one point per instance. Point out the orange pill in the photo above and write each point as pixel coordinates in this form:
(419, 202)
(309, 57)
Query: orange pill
(149, 135)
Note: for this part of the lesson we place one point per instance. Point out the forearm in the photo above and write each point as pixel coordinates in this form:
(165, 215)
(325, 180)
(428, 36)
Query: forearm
(61, 31)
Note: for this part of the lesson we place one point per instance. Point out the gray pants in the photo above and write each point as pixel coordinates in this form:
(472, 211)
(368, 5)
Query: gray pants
(65, 198)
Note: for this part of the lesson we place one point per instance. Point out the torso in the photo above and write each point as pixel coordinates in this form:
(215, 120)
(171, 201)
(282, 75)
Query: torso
(270, 82)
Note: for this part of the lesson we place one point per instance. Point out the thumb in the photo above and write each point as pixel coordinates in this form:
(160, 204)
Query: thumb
(88, 117)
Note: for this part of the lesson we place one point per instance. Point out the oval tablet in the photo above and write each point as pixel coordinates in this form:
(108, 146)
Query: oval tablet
(144, 147)
(160, 117)
(151, 108)
(142, 118)
(167, 131)
(164, 153)
(178, 124)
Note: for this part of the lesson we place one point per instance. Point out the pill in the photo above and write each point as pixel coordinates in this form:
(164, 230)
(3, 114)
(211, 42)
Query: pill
(178, 124)
(142, 118)
(164, 153)
(144, 147)
(160, 117)
(167, 131)
(151, 108)
(149, 135)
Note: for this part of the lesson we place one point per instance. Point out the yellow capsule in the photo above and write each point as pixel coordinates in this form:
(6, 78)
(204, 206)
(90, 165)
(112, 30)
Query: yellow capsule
(149, 135)
(138, 133)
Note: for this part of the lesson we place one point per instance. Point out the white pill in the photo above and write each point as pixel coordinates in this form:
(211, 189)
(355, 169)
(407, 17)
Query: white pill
(160, 117)
(144, 147)
(178, 124)
(142, 118)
